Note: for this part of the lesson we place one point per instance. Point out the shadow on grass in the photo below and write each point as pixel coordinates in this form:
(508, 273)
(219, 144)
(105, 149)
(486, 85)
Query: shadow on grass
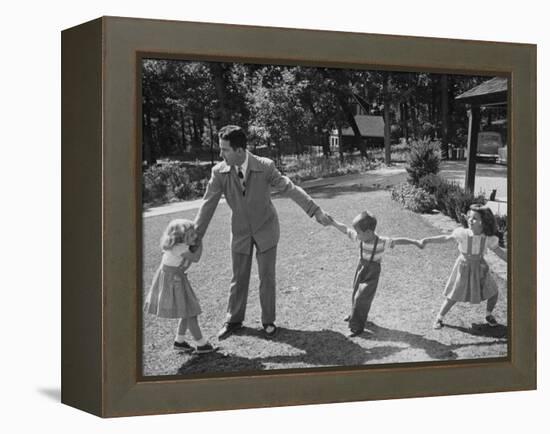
(325, 348)
(484, 330)
(433, 348)
(318, 348)
(219, 362)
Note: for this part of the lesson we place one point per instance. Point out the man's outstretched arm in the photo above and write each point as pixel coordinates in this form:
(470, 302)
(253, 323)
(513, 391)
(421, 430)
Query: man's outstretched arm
(286, 187)
(210, 199)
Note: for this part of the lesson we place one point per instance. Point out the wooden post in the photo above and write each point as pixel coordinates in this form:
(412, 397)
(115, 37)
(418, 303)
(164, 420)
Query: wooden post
(474, 115)
(444, 116)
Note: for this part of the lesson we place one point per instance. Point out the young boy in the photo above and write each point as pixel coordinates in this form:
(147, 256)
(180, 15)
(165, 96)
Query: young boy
(372, 248)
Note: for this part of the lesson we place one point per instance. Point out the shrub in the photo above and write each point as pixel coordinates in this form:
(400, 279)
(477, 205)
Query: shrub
(414, 198)
(447, 197)
(431, 182)
(191, 190)
(183, 191)
(451, 199)
(303, 167)
(502, 229)
(165, 181)
(154, 185)
(423, 159)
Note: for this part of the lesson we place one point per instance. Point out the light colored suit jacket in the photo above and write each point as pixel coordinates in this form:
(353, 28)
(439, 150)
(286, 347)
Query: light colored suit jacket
(253, 215)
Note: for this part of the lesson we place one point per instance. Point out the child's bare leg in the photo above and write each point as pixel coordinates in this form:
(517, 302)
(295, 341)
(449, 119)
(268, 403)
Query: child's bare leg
(182, 329)
(491, 303)
(446, 307)
(195, 330)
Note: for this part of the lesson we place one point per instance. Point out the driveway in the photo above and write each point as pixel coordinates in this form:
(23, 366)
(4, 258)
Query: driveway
(489, 177)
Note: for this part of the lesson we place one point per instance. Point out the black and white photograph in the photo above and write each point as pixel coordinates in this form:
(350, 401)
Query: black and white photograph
(303, 217)
(351, 123)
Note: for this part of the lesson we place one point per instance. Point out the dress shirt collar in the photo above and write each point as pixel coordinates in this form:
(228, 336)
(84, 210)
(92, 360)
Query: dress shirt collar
(243, 166)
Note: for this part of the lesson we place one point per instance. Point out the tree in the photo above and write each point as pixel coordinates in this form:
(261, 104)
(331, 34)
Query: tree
(342, 83)
(278, 114)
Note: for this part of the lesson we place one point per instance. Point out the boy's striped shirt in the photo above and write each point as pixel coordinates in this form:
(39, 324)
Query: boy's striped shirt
(383, 243)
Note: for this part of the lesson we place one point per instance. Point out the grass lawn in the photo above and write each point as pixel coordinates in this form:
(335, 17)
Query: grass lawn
(315, 269)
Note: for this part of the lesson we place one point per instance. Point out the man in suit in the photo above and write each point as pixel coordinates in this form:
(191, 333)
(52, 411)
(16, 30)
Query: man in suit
(246, 181)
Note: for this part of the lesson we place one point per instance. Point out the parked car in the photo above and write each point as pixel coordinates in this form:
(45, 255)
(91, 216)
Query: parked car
(503, 155)
(489, 143)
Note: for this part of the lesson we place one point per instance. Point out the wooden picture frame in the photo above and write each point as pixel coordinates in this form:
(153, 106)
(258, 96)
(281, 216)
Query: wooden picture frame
(101, 190)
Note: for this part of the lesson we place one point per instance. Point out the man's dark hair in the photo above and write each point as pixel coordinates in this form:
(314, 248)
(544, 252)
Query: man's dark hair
(235, 135)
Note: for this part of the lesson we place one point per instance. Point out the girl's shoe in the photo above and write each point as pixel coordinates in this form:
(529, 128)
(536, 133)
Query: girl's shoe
(204, 349)
(438, 324)
(183, 347)
(491, 320)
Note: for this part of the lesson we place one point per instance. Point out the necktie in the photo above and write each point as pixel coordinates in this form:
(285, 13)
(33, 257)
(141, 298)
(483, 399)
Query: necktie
(241, 178)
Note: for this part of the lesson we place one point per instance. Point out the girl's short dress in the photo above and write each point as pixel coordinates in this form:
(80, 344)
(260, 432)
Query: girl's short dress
(471, 279)
(171, 295)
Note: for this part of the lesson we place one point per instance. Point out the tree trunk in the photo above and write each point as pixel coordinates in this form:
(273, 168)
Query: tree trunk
(414, 119)
(433, 105)
(162, 142)
(357, 139)
(325, 141)
(183, 138)
(200, 124)
(386, 95)
(223, 116)
(473, 130)
(340, 144)
(195, 140)
(148, 149)
(406, 121)
(212, 139)
(444, 116)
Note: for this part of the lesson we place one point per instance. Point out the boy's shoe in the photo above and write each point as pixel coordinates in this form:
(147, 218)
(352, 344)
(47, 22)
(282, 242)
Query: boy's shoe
(438, 324)
(353, 333)
(204, 349)
(491, 320)
(183, 347)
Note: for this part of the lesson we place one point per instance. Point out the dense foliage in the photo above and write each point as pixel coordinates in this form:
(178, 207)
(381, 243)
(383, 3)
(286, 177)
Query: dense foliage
(423, 160)
(290, 108)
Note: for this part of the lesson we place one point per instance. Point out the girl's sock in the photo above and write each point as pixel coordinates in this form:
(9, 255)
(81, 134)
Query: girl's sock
(488, 313)
(180, 339)
(201, 342)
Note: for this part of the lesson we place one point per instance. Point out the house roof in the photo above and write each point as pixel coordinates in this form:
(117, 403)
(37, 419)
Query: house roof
(369, 126)
(493, 91)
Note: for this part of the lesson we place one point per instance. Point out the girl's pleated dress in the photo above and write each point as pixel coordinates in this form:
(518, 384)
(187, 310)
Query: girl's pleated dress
(471, 279)
(171, 295)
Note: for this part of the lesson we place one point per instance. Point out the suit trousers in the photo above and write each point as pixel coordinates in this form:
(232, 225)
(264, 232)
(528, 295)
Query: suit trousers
(238, 293)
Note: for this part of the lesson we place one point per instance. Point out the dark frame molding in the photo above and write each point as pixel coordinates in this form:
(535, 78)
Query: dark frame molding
(100, 186)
